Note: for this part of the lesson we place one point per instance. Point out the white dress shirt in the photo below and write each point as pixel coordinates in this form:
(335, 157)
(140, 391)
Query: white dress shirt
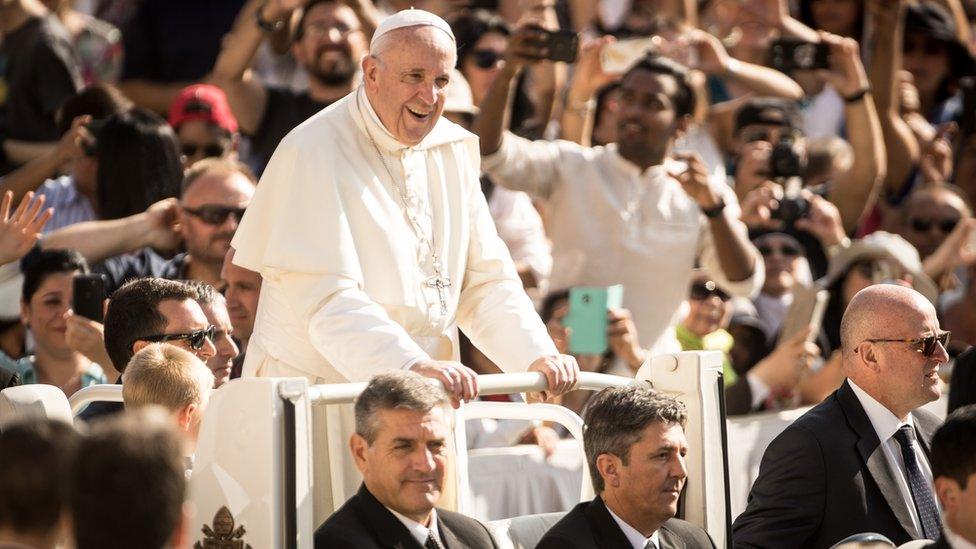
(419, 531)
(636, 539)
(954, 540)
(886, 425)
(612, 223)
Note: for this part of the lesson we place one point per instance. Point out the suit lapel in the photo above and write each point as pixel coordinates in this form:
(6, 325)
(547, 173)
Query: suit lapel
(447, 536)
(388, 529)
(925, 427)
(871, 452)
(670, 540)
(606, 533)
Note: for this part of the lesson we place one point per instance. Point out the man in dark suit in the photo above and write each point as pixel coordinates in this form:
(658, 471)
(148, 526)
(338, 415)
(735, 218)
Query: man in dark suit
(954, 469)
(400, 447)
(858, 461)
(635, 448)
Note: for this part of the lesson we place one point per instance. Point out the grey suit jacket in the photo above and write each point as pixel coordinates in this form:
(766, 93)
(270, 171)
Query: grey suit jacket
(825, 478)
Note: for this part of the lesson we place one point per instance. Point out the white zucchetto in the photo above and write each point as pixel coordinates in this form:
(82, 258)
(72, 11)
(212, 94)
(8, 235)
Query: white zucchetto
(410, 18)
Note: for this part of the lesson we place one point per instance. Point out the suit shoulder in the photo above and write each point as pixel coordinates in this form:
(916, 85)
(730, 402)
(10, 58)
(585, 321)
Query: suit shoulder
(343, 529)
(693, 535)
(573, 530)
(474, 532)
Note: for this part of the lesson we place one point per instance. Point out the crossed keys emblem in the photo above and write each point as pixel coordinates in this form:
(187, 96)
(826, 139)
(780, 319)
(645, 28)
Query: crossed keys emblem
(222, 535)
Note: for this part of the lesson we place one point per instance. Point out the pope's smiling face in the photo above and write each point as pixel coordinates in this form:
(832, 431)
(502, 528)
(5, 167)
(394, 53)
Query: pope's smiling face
(406, 79)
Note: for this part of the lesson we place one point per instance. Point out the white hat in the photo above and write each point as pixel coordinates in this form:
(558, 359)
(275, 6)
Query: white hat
(410, 18)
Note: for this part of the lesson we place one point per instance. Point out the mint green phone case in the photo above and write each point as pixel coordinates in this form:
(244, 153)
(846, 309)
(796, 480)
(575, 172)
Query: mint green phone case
(587, 318)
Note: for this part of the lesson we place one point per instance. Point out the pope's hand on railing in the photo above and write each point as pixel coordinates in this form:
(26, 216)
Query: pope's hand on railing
(561, 371)
(460, 381)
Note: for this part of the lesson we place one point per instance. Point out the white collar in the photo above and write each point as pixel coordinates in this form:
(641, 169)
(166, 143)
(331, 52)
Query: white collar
(954, 540)
(636, 539)
(365, 117)
(885, 423)
(417, 530)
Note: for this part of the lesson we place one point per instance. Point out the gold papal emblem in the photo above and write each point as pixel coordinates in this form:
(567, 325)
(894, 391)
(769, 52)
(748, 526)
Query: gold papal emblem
(222, 535)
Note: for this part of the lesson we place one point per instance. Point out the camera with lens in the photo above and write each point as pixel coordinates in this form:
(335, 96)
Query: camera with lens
(788, 164)
(787, 159)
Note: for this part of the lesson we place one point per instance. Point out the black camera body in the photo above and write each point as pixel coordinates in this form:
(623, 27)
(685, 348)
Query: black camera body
(787, 159)
(790, 209)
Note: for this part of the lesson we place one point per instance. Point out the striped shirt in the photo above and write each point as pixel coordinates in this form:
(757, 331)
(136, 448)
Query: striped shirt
(70, 206)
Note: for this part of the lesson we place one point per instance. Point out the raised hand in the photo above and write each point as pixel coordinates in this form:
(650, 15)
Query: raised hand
(561, 371)
(846, 73)
(20, 231)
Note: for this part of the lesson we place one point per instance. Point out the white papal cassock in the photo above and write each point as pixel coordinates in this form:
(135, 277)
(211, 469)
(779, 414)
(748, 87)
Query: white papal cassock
(347, 291)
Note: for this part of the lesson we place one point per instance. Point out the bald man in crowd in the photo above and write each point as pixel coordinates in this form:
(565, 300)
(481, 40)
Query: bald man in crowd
(859, 461)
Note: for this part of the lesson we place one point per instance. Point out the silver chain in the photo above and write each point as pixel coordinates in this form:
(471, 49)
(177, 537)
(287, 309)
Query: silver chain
(440, 281)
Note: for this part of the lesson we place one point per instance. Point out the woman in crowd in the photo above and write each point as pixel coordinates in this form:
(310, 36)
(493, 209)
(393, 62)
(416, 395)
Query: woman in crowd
(47, 294)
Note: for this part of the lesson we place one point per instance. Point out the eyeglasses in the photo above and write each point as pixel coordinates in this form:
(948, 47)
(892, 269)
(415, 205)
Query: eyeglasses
(196, 338)
(925, 344)
(210, 150)
(923, 225)
(785, 250)
(486, 59)
(701, 291)
(215, 215)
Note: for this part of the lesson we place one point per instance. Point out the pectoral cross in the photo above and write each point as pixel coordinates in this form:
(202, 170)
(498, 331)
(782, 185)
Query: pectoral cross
(441, 282)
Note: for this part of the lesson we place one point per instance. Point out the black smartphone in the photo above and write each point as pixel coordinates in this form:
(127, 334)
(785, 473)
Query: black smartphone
(89, 296)
(791, 54)
(563, 45)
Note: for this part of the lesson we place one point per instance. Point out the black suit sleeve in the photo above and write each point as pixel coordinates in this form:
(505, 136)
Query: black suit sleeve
(787, 500)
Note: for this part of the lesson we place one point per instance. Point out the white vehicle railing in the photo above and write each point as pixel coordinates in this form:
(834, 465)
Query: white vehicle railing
(489, 384)
(94, 393)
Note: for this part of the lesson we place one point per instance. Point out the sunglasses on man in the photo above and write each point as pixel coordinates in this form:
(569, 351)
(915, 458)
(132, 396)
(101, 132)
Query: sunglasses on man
(926, 345)
(215, 215)
(923, 225)
(700, 291)
(786, 250)
(210, 150)
(196, 339)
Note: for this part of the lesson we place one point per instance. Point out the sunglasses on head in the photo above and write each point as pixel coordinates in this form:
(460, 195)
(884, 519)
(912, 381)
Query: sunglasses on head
(926, 345)
(210, 150)
(486, 59)
(923, 225)
(196, 339)
(786, 250)
(215, 215)
(701, 291)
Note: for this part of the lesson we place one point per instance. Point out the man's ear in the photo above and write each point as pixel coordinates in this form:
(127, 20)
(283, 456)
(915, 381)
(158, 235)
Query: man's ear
(947, 490)
(139, 345)
(371, 67)
(682, 126)
(869, 356)
(186, 415)
(609, 467)
(359, 447)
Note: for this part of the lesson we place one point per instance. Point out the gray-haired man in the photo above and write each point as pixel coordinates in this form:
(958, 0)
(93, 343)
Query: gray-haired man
(400, 447)
(635, 448)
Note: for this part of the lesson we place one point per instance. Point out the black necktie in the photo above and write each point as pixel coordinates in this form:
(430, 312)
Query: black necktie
(928, 512)
(432, 542)
(650, 544)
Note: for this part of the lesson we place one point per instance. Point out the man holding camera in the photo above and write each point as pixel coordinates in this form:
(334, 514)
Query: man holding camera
(630, 213)
(772, 162)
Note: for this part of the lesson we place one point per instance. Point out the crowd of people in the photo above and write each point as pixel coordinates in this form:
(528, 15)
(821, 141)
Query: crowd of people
(789, 183)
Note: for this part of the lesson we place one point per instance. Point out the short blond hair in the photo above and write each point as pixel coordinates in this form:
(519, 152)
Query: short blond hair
(165, 375)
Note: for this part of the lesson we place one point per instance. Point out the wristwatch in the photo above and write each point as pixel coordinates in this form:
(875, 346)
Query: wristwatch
(715, 210)
(267, 26)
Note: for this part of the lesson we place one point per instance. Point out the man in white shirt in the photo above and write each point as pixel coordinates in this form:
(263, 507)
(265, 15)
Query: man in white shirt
(403, 423)
(635, 448)
(629, 213)
(859, 461)
(954, 469)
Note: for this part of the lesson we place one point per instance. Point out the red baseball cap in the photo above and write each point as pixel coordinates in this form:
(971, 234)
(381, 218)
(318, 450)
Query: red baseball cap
(202, 102)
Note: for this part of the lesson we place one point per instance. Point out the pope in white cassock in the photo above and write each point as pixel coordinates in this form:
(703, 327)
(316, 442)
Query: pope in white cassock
(375, 241)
